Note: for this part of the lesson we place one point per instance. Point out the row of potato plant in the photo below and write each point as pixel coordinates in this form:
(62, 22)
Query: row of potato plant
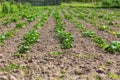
(30, 17)
(15, 17)
(66, 38)
(44, 19)
(104, 18)
(101, 28)
(33, 35)
(99, 14)
(5, 36)
(95, 17)
(114, 47)
(19, 15)
(8, 9)
(11, 33)
(35, 15)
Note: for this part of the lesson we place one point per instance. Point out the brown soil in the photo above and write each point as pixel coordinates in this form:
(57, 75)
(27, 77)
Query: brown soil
(10, 26)
(10, 46)
(105, 35)
(5, 18)
(6, 28)
(82, 62)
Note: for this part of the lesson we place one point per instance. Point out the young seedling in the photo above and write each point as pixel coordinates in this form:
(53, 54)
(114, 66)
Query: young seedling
(56, 53)
(113, 47)
(102, 28)
(90, 34)
(118, 34)
(102, 67)
(110, 62)
(10, 67)
(31, 38)
(20, 25)
(114, 76)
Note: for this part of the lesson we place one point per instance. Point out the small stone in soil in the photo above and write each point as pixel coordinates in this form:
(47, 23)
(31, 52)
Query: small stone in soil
(100, 70)
(1, 55)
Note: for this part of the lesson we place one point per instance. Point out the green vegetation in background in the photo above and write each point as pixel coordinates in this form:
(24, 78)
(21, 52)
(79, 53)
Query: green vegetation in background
(82, 3)
(12, 6)
(92, 3)
(85, 1)
(75, 4)
(9, 7)
(0, 8)
(111, 3)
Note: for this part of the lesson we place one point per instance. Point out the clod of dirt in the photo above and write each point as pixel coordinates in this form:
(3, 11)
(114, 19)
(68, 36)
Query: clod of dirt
(3, 78)
(100, 70)
(1, 55)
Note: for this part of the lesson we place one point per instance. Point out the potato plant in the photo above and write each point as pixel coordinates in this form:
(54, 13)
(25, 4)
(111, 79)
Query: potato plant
(20, 25)
(102, 28)
(114, 47)
(118, 34)
(29, 39)
(5, 36)
(32, 36)
(32, 17)
(15, 17)
(90, 34)
(43, 20)
(11, 33)
(95, 19)
(66, 38)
